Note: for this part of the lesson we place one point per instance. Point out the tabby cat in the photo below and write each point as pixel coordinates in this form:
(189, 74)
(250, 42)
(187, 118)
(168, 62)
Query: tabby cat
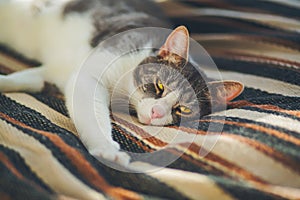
(162, 87)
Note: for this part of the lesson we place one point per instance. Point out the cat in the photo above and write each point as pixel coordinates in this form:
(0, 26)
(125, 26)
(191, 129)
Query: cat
(61, 34)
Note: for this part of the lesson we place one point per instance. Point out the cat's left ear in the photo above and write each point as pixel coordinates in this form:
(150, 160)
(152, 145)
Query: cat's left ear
(225, 91)
(176, 47)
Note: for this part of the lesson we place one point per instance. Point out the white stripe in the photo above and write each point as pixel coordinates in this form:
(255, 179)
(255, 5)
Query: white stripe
(51, 114)
(263, 18)
(195, 186)
(44, 165)
(247, 157)
(257, 82)
(275, 120)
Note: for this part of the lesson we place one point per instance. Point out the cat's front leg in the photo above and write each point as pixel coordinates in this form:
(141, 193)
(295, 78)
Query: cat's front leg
(88, 104)
(29, 80)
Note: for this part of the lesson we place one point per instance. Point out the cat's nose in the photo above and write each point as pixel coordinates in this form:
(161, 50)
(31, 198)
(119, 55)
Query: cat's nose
(157, 112)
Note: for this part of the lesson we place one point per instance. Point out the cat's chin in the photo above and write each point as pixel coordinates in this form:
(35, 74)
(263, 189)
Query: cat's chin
(145, 121)
(150, 122)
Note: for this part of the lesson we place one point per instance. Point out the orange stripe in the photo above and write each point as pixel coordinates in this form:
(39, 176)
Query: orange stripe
(242, 103)
(257, 145)
(259, 128)
(190, 130)
(256, 127)
(211, 157)
(10, 166)
(81, 164)
(4, 159)
(141, 132)
(5, 70)
(268, 151)
(199, 163)
(5, 196)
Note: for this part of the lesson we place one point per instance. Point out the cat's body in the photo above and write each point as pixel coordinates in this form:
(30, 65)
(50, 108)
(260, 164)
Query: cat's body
(66, 33)
(61, 33)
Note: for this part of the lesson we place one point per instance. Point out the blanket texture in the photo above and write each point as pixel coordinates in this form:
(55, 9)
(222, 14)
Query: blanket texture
(257, 154)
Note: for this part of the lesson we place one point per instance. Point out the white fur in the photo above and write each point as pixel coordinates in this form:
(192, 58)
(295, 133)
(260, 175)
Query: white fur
(144, 109)
(59, 44)
(62, 44)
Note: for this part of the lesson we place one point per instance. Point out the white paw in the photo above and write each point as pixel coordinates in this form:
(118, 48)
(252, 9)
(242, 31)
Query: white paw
(111, 153)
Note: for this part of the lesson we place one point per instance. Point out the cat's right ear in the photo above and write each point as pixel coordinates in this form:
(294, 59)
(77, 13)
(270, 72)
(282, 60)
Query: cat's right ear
(176, 47)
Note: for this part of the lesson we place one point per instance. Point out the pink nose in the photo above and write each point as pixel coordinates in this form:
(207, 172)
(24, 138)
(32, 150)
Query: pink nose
(157, 112)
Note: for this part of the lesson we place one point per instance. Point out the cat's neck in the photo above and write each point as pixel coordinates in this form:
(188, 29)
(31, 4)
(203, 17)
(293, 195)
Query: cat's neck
(118, 77)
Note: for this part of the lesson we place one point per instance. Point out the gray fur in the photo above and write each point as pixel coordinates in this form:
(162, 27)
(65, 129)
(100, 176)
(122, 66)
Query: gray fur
(189, 85)
(114, 16)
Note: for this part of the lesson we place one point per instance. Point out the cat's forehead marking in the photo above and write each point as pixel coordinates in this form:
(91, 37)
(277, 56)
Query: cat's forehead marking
(79, 6)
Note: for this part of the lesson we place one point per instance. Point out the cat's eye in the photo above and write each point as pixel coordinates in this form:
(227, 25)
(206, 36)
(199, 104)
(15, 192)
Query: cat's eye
(159, 86)
(183, 110)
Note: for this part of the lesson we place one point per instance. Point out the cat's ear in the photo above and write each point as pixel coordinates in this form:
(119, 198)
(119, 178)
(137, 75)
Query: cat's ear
(225, 91)
(176, 47)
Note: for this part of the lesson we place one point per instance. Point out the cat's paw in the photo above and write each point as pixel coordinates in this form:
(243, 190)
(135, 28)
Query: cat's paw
(111, 153)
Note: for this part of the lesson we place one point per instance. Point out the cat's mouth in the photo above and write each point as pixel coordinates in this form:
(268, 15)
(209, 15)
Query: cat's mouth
(145, 121)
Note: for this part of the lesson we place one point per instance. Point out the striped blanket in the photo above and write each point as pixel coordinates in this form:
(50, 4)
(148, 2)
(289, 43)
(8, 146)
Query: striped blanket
(257, 153)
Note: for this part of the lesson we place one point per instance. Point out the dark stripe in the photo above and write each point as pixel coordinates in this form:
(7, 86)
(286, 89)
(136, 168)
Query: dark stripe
(253, 6)
(143, 134)
(244, 104)
(52, 97)
(259, 97)
(4, 195)
(218, 4)
(278, 113)
(188, 163)
(270, 39)
(214, 24)
(250, 129)
(259, 69)
(17, 56)
(273, 62)
(138, 182)
(128, 142)
(18, 188)
(243, 191)
(18, 162)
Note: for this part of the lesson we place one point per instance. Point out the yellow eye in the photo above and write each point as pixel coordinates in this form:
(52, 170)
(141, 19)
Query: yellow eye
(184, 110)
(160, 86)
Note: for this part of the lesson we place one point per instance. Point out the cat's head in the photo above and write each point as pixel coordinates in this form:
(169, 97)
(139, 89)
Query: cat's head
(172, 90)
